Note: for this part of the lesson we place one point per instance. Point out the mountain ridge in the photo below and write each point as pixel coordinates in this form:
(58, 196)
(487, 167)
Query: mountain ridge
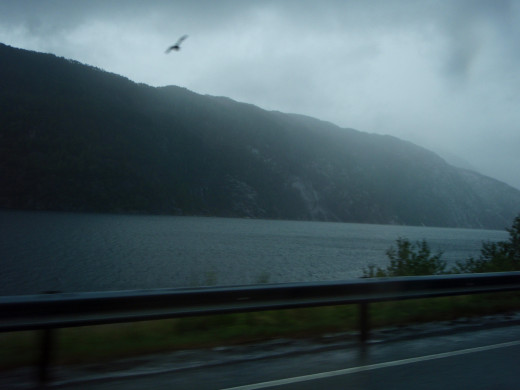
(77, 138)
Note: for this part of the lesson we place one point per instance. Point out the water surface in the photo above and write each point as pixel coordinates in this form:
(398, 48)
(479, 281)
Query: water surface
(41, 251)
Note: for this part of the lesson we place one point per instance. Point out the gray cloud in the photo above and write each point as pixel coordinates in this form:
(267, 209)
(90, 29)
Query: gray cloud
(442, 74)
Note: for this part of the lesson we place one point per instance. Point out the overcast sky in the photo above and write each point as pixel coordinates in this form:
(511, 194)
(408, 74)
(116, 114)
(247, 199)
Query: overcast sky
(444, 74)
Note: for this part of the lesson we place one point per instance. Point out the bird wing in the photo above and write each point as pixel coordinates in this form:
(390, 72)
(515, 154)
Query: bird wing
(180, 40)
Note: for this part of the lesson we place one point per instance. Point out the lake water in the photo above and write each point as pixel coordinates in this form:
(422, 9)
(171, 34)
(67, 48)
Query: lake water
(41, 251)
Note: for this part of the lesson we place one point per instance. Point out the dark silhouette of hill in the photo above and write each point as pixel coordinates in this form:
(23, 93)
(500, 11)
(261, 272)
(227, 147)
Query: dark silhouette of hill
(76, 138)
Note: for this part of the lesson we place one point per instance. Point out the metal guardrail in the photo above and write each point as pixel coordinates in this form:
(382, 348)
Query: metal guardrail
(60, 310)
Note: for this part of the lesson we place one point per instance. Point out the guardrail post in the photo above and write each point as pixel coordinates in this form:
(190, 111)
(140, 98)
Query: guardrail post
(45, 356)
(364, 324)
(46, 341)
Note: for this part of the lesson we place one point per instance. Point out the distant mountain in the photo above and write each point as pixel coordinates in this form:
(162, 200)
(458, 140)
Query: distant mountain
(76, 138)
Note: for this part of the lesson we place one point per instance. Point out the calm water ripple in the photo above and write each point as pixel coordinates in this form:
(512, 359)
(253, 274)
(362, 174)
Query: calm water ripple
(41, 251)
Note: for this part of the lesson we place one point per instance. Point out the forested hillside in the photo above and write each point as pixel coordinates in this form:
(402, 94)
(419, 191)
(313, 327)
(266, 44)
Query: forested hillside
(76, 138)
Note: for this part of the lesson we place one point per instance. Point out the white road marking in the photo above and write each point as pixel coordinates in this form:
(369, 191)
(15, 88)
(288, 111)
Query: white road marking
(353, 370)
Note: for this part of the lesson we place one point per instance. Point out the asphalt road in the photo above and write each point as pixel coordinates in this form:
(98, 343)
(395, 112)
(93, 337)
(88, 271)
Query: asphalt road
(478, 359)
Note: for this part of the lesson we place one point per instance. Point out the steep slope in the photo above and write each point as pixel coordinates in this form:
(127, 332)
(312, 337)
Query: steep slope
(73, 137)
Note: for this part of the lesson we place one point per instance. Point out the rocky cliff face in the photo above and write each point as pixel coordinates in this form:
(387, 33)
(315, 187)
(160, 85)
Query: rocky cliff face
(80, 139)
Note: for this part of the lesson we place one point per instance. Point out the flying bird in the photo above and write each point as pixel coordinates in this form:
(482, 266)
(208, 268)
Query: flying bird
(177, 45)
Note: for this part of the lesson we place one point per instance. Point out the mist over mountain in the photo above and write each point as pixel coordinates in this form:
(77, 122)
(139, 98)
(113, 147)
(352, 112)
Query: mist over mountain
(76, 138)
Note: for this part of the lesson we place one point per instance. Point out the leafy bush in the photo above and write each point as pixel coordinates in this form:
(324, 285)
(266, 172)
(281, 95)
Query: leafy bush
(409, 259)
(495, 256)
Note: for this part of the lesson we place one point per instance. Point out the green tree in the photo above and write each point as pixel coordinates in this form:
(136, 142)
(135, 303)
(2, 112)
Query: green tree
(409, 259)
(496, 256)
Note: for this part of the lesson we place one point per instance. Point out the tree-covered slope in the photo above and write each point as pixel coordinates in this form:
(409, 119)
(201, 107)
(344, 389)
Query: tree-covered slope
(76, 138)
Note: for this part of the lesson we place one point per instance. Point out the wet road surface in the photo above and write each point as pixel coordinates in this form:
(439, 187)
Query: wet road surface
(457, 358)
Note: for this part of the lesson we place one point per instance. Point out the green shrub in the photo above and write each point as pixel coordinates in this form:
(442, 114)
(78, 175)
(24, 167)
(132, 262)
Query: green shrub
(409, 259)
(495, 256)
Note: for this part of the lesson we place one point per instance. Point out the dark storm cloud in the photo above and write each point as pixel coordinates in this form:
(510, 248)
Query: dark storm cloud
(69, 13)
(473, 24)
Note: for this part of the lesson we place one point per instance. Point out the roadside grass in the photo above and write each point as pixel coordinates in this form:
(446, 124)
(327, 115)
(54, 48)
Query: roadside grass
(105, 342)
